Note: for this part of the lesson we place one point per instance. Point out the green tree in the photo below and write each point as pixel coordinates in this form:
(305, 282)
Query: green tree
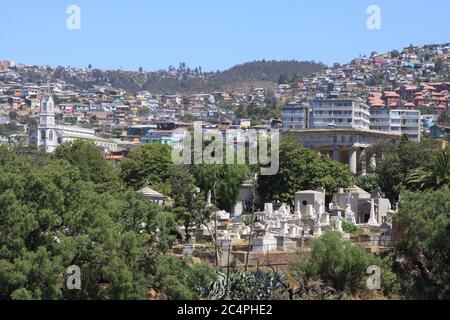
(444, 118)
(398, 161)
(89, 160)
(302, 169)
(426, 109)
(368, 182)
(350, 228)
(54, 215)
(144, 111)
(52, 219)
(145, 217)
(241, 111)
(9, 129)
(439, 66)
(224, 181)
(395, 54)
(179, 279)
(150, 164)
(376, 79)
(340, 264)
(422, 260)
(13, 115)
(435, 176)
(189, 205)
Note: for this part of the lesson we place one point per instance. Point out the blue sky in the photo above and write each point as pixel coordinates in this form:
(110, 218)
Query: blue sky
(215, 34)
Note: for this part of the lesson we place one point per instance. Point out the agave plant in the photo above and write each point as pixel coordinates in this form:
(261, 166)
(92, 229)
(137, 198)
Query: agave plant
(257, 285)
(217, 289)
(266, 284)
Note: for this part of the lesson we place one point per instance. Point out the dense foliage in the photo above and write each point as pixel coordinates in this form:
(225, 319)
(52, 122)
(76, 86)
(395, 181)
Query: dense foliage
(434, 176)
(150, 165)
(302, 169)
(264, 71)
(190, 207)
(423, 259)
(368, 182)
(9, 128)
(224, 181)
(62, 211)
(397, 162)
(341, 266)
(418, 175)
(73, 208)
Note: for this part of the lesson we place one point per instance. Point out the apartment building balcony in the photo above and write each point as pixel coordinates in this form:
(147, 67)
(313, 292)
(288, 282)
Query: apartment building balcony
(379, 116)
(386, 128)
(380, 121)
(410, 125)
(328, 109)
(409, 116)
(410, 130)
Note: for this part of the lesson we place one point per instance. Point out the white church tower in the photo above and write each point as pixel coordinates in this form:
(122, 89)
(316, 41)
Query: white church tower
(47, 128)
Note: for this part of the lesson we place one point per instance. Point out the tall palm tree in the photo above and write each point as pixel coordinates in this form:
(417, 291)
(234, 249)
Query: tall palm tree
(434, 178)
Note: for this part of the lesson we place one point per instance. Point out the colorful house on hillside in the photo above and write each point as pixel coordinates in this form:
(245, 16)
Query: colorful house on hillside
(439, 131)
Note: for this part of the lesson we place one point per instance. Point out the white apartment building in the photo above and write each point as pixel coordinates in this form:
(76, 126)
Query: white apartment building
(326, 114)
(341, 129)
(339, 114)
(295, 116)
(397, 121)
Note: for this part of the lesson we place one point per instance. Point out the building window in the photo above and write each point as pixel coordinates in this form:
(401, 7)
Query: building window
(42, 134)
(50, 135)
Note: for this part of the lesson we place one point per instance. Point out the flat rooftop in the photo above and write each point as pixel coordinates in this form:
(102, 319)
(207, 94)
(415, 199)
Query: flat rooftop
(331, 131)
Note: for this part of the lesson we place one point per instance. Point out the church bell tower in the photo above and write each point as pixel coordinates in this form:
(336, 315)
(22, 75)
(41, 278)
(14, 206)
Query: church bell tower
(47, 128)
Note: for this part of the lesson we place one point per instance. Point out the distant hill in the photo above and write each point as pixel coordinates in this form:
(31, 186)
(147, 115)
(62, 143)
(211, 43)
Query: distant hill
(240, 77)
(263, 71)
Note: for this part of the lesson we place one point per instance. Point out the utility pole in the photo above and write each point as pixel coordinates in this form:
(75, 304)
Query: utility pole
(216, 248)
(228, 272)
(251, 222)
